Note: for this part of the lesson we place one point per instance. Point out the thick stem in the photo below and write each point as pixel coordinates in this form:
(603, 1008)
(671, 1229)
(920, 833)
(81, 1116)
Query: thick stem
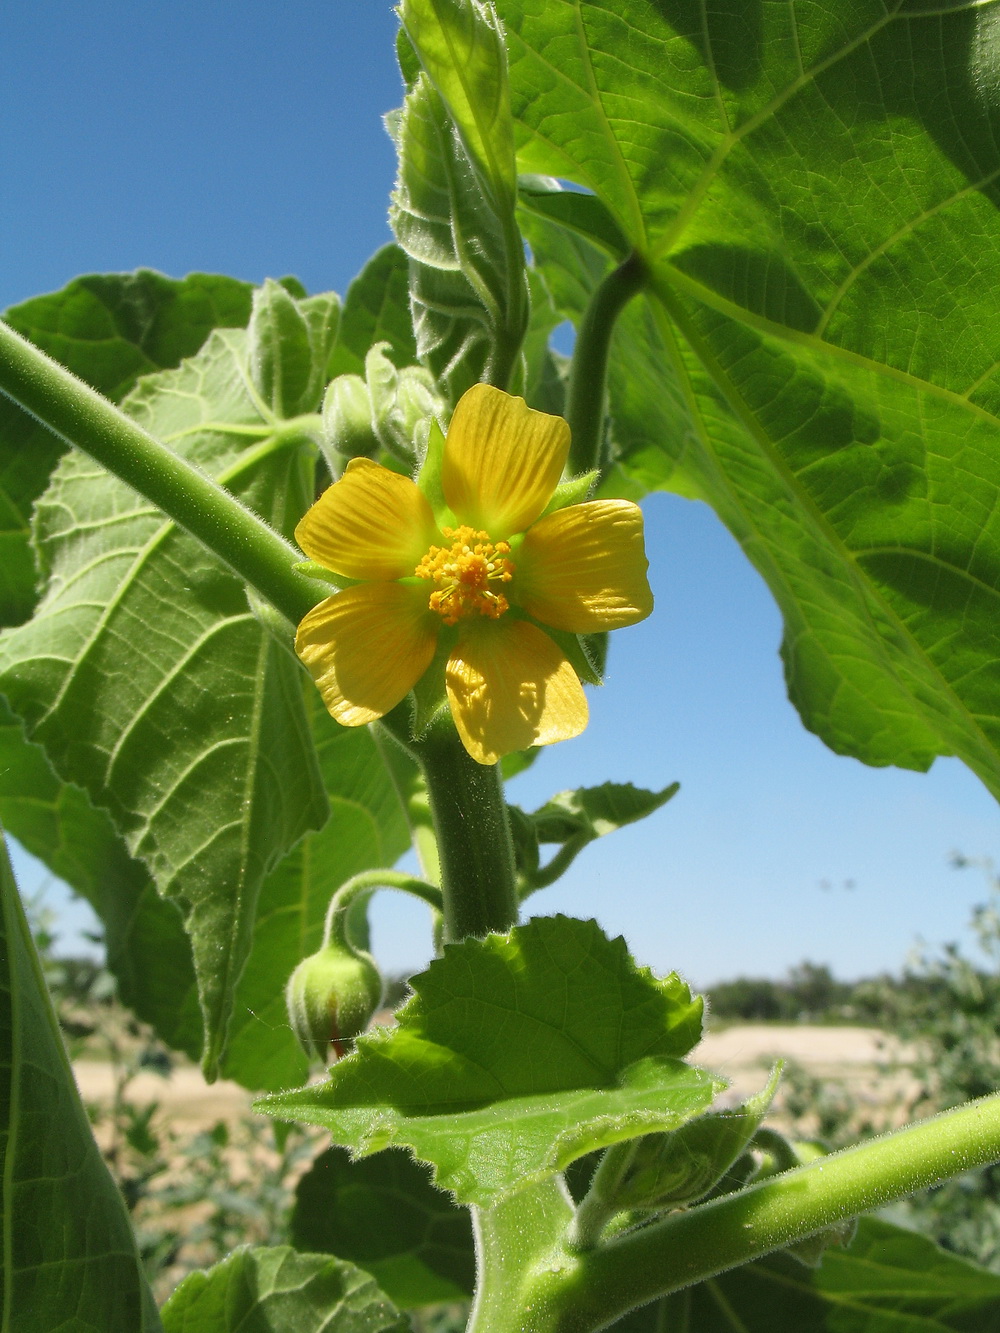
(588, 1292)
(473, 835)
(585, 398)
(82, 417)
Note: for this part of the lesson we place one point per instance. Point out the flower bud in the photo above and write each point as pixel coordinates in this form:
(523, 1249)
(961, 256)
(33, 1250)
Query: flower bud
(331, 997)
(403, 403)
(347, 419)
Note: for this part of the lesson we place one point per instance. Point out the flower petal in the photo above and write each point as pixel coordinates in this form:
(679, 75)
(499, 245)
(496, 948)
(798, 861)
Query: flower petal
(371, 524)
(367, 647)
(509, 687)
(502, 461)
(583, 568)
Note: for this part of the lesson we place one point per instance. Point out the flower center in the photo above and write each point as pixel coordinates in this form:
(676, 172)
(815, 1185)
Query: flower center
(466, 575)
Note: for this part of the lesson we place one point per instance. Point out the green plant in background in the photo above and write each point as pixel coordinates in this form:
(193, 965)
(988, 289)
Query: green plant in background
(758, 218)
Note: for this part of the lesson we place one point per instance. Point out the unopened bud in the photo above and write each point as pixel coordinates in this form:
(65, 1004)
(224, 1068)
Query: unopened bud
(331, 997)
(347, 419)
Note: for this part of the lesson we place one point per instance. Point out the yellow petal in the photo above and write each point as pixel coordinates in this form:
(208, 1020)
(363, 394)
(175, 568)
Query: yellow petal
(583, 568)
(367, 647)
(510, 686)
(371, 524)
(502, 461)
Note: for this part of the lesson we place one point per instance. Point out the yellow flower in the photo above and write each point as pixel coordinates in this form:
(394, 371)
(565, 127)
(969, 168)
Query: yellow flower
(475, 586)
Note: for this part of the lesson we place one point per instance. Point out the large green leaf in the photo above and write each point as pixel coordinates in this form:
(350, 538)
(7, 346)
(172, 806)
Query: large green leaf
(108, 328)
(151, 684)
(147, 949)
(814, 193)
(383, 1213)
(888, 1281)
(367, 828)
(278, 1291)
(69, 1256)
(550, 1039)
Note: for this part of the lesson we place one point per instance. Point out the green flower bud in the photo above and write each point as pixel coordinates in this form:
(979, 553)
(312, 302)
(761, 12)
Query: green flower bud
(347, 419)
(403, 404)
(331, 997)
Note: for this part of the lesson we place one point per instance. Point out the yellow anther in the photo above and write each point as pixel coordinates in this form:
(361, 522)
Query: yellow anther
(465, 573)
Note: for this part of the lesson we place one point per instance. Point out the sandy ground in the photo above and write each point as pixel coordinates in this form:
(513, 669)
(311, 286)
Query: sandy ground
(743, 1054)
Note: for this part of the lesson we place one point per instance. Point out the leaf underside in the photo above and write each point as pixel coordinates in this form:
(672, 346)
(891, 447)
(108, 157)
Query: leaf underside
(813, 190)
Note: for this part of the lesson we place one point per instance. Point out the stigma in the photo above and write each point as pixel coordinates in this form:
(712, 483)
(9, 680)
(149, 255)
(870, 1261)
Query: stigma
(467, 575)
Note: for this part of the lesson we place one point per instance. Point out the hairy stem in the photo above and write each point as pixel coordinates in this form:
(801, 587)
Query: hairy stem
(588, 1292)
(585, 397)
(473, 835)
(362, 884)
(80, 416)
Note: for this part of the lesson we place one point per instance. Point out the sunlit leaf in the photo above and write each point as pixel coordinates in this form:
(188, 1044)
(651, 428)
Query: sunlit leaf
(149, 682)
(813, 194)
(516, 1055)
(109, 328)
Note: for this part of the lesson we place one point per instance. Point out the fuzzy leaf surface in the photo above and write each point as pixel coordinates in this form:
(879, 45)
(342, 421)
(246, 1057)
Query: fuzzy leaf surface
(108, 328)
(516, 1055)
(268, 1289)
(149, 682)
(69, 1255)
(383, 1214)
(814, 192)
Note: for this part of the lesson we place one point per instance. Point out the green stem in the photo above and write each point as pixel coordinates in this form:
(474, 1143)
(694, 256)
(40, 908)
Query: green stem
(82, 417)
(334, 928)
(473, 835)
(584, 1293)
(597, 1207)
(588, 373)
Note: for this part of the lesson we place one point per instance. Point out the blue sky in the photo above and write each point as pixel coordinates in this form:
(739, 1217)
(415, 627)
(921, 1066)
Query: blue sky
(247, 139)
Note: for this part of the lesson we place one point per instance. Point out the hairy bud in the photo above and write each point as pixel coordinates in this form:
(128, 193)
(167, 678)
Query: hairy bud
(331, 997)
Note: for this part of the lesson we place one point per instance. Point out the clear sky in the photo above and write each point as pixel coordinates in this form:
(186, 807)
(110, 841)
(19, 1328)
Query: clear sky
(246, 138)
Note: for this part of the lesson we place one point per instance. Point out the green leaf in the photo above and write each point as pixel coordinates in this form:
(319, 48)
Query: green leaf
(69, 1255)
(108, 329)
(887, 1281)
(275, 1290)
(147, 949)
(815, 198)
(460, 45)
(149, 682)
(582, 213)
(383, 1214)
(376, 309)
(675, 1169)
(367, 828)
(550, 1036)
(597, 811)
(468, 288)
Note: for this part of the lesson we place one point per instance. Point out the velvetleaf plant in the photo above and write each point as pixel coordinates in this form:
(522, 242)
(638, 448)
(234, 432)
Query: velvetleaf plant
(765, 255)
